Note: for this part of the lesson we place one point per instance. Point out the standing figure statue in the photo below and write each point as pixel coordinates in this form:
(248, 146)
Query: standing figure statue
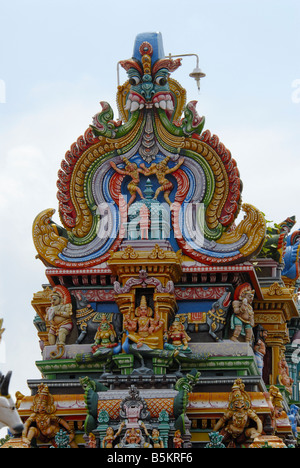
(177, 440)
(242, 320)
(132, 170)
(156, 439)
(259, 346)
(161, 169)
(108, 440)
(284, 373)
(59, 316)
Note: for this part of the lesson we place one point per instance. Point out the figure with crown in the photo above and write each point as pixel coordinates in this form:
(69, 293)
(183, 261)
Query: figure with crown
(43, 422)
(235, 423)
(142, 327)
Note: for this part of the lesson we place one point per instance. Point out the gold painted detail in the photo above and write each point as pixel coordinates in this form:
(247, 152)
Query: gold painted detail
(129, 253)
(84, 215)
(46, 239)
(157, 252)
(253, 225)
(275, 290)
(221, 189)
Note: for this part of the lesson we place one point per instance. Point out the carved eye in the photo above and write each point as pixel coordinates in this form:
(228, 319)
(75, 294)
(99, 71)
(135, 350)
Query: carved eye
(161, 81)
(134, 80)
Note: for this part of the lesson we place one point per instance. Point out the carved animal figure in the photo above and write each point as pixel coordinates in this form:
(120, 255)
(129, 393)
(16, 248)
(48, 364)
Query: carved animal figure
(215, 317)
(88, 320)
(9, 416)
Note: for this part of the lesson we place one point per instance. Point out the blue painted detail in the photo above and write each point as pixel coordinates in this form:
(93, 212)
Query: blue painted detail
(155, 39)
(291, 256)
(185, 307)
(217, 253)
(125, 346)
(106, 246)
(105, 307)
(192, 183)
(105, 186)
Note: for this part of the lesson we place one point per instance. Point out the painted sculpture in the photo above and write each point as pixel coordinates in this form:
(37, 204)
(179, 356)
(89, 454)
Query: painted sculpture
(142, 327)
(43, 422)
(284, 373)
(9, 416)
(59, 316)
(108, 440)
(234, 424)
(259, 346)
(188, 168)
(158, 297)
(105, 336)
(177, 337)
(242, 321)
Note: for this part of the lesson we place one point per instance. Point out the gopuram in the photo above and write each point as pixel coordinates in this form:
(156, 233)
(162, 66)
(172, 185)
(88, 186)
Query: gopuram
(165, 322)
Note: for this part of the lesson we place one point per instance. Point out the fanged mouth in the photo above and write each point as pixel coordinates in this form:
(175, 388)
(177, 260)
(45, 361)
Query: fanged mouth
(134, 102)
(160, 100)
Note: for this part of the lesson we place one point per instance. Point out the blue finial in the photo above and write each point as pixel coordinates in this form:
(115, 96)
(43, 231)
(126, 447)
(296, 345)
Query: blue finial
(155, 39)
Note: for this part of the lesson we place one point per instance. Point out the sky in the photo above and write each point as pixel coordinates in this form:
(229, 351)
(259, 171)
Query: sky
(58, 60)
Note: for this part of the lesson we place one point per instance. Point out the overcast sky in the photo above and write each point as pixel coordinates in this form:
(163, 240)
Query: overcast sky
(58, 59)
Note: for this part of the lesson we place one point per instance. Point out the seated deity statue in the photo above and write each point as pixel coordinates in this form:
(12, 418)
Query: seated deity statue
(235, 423)
(105, 336)
(142, 327)
(177, 337)
(43, 423)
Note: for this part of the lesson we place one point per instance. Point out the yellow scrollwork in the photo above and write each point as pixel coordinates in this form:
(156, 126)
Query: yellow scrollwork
(48, 243)
(253, 225)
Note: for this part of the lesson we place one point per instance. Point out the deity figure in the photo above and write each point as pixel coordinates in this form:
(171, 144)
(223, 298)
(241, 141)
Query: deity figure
(157, 441)
(277, 399)
(133, 438)
(161, 169)
(43, 422)
(242, 320)
(58, 316)
(284, 377)
(234, 424)
(107, 441)
(259, 346)
(293, 417)
(178, 337)
(105, 336)
(92, 443)
(142, 326)
(132, 170)
(177, 440)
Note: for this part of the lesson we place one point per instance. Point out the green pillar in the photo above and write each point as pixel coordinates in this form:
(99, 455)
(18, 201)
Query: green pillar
(164, 426)
(103, 420)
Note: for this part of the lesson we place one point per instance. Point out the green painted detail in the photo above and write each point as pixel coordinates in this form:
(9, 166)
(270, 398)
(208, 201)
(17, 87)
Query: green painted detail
(91, 387)
(106, 127)
(184, 385)
(186, 127)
